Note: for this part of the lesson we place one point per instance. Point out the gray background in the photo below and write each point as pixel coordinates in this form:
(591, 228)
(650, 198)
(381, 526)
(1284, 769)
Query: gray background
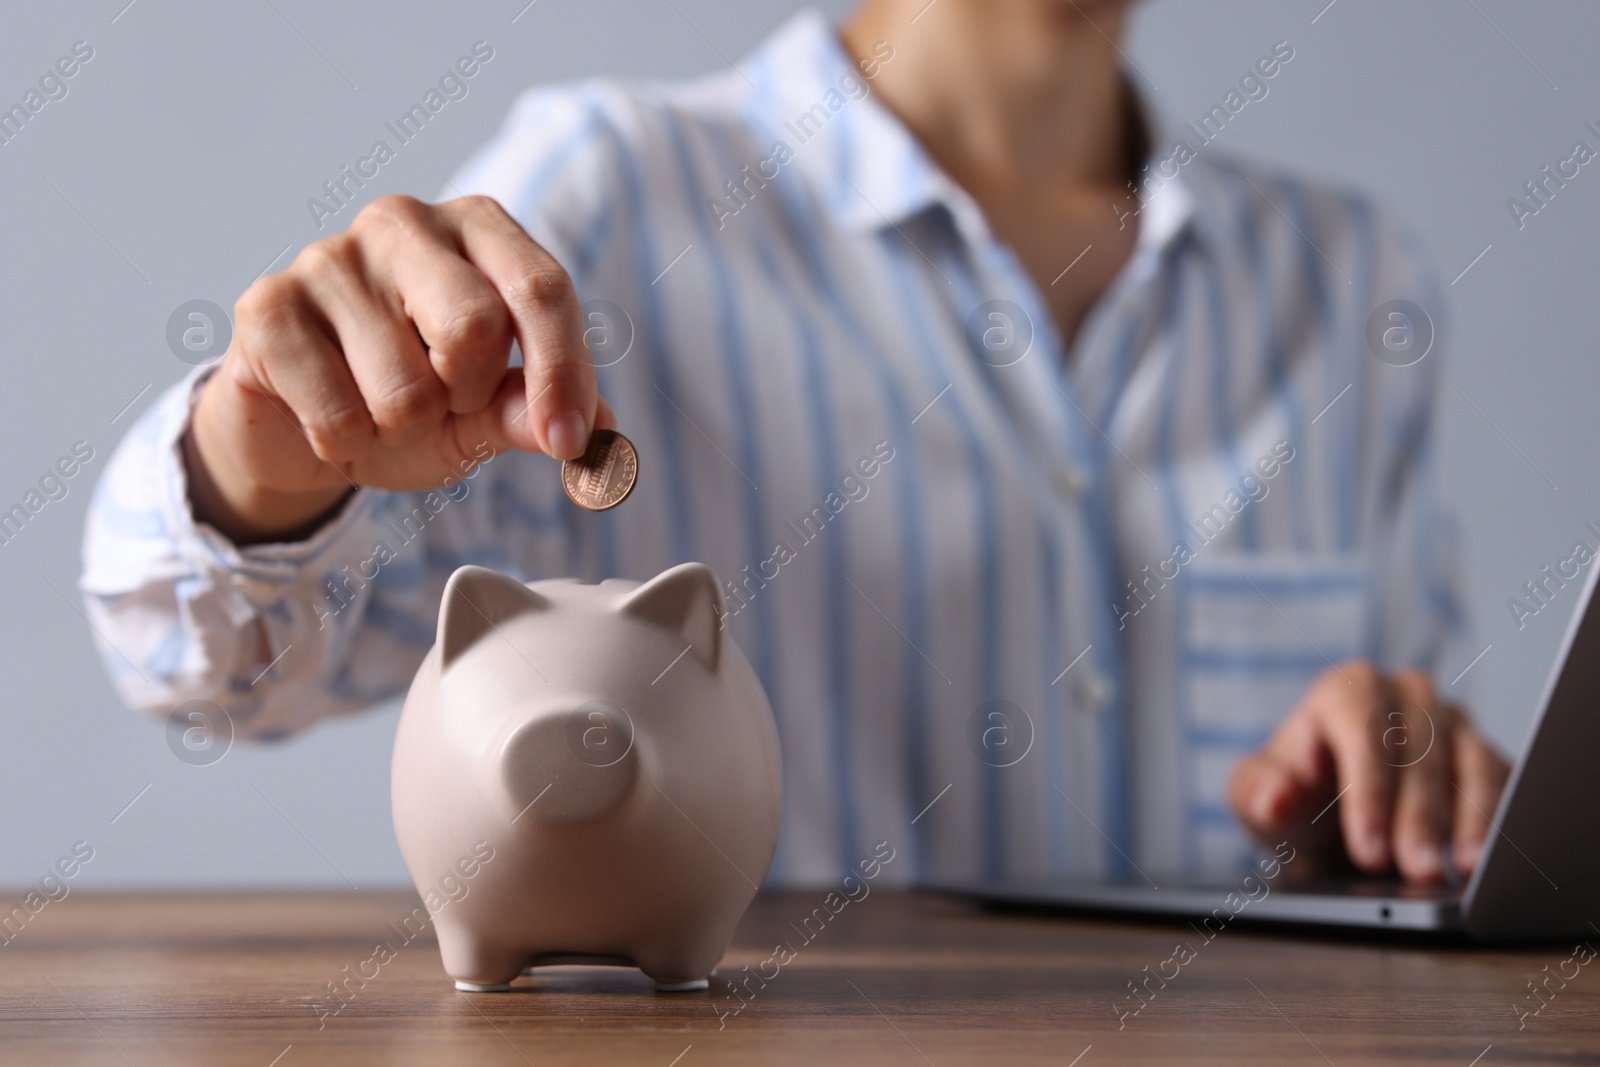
(191, 141)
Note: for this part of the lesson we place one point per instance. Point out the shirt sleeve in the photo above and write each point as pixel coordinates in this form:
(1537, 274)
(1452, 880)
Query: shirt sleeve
(276, 635)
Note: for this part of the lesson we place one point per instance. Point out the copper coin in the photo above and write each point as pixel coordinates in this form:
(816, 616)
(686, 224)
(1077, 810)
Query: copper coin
(604, 475)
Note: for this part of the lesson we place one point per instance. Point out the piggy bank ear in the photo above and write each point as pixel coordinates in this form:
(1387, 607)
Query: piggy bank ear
(688, 601)
(475, 600)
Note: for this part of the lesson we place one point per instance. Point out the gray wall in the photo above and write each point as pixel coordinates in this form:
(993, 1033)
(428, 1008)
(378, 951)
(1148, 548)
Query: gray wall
(184, 152)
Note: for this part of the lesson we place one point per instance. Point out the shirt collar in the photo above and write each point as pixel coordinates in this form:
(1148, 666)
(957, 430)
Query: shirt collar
(871, 173)
(867, 168)
(1187, 195)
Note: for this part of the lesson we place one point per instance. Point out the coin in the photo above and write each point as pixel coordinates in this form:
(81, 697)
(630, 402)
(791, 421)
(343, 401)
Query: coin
(604, 475)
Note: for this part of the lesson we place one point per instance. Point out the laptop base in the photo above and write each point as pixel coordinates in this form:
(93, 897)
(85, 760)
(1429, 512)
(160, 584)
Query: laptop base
(1362, 903)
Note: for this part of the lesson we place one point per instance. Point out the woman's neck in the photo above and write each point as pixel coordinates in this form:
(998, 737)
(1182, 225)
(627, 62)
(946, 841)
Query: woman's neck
(1006, 94)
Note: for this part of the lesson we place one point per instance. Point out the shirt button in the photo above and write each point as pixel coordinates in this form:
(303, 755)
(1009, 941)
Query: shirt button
(1093, 690)
(1072, 481)
(257, 590)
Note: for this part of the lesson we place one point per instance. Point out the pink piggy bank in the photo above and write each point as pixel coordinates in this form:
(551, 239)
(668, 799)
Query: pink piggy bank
(594, 770)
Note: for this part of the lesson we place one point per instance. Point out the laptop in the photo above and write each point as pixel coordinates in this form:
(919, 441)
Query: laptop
(1538, 877)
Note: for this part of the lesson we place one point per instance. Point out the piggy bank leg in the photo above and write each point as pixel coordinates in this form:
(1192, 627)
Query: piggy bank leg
(475, 987)
(693, 985)
(477, 964)
(680, 967)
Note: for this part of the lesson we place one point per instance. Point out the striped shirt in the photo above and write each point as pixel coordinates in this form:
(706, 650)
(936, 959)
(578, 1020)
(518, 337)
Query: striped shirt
(1019, 607)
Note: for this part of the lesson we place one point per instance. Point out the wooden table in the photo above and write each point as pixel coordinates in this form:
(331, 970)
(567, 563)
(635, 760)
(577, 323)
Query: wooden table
(235, 978)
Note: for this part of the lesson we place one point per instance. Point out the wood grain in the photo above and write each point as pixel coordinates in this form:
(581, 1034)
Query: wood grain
(235, 979)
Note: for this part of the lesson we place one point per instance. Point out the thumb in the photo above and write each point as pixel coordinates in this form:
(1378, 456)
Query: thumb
(514, 415)
(507, 422)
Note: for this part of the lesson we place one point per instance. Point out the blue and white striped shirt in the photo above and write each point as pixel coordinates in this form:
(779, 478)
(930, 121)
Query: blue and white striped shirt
(1108, 571)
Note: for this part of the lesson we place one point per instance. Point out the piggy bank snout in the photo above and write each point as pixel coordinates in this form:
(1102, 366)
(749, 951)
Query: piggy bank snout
(569, 765)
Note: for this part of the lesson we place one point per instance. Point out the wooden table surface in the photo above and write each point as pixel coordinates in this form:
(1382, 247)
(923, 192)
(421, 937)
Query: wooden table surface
(237, 978)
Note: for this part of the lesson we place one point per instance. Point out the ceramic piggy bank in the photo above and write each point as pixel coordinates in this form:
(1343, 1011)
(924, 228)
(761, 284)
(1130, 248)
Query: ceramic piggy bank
(591, 771)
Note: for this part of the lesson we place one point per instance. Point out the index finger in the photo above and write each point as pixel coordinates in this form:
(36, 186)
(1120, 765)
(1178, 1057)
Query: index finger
(561, 395)
(1343, 712)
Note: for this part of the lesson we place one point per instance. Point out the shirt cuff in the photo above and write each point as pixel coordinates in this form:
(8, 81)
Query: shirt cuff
(263, 573)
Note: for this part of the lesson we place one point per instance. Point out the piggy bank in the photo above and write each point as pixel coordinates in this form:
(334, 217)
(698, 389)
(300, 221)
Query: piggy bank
(592, 774)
